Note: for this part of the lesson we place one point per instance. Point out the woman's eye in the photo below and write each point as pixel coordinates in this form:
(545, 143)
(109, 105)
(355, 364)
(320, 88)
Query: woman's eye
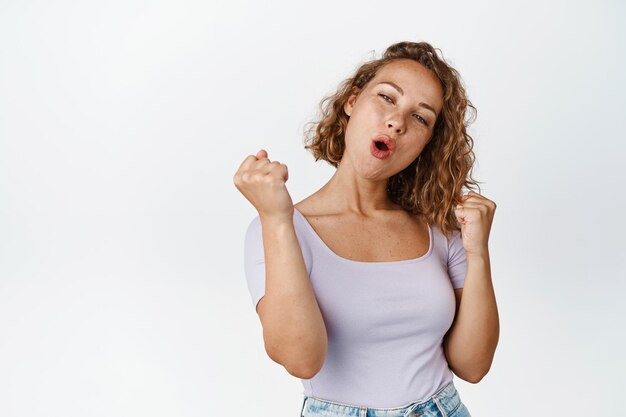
(422, 119)
(385, 97)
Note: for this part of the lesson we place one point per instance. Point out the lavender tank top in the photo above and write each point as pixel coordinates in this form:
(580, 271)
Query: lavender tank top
(385, 320)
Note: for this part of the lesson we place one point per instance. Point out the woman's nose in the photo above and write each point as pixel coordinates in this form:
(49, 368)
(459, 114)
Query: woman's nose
(396, 125)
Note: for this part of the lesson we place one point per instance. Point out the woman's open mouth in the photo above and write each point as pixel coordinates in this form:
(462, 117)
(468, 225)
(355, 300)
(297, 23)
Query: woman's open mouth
(379, 149)
(381, 146)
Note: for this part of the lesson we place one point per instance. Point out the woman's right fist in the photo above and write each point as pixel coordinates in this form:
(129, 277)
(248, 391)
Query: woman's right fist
(262, 183)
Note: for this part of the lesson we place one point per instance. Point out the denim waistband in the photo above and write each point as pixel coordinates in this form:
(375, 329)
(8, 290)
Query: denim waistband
(444, 402)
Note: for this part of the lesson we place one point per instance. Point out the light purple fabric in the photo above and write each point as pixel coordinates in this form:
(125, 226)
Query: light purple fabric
(385, 320)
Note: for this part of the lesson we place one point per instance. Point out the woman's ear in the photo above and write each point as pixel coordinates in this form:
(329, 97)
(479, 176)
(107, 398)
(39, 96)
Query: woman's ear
(349, 104)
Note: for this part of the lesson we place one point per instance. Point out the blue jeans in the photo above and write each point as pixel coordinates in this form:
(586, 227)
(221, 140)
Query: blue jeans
(444, 403)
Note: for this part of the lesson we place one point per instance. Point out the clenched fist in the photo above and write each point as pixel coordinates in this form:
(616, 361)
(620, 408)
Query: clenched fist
(262, 183)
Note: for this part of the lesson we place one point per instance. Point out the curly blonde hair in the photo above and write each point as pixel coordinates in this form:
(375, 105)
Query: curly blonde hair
(433, 183)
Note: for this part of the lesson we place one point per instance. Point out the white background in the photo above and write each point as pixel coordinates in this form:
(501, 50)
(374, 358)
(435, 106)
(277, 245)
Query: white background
(122, 123)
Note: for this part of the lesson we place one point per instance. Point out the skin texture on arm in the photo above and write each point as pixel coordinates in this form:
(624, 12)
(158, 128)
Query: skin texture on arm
(471, 342)
(293, 328)
(294, 332)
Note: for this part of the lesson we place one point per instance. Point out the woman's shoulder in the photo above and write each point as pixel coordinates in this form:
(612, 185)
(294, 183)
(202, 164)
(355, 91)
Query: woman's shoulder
(309, 206)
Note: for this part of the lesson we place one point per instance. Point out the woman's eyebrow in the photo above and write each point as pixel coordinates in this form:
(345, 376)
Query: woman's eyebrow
(401, 91)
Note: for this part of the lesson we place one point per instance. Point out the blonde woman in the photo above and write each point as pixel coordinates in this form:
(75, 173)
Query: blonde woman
(376, 289)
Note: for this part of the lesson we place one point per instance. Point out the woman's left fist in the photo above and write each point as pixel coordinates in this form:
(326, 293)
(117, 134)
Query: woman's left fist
(475, 213)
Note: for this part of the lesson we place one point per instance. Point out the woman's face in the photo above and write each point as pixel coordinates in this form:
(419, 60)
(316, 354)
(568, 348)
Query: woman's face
(407, 116)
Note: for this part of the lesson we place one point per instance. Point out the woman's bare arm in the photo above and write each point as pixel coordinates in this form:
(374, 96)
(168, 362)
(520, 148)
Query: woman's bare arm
(293, 328)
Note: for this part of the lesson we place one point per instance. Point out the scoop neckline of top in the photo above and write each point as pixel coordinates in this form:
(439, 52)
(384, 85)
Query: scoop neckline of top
(341, 258)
